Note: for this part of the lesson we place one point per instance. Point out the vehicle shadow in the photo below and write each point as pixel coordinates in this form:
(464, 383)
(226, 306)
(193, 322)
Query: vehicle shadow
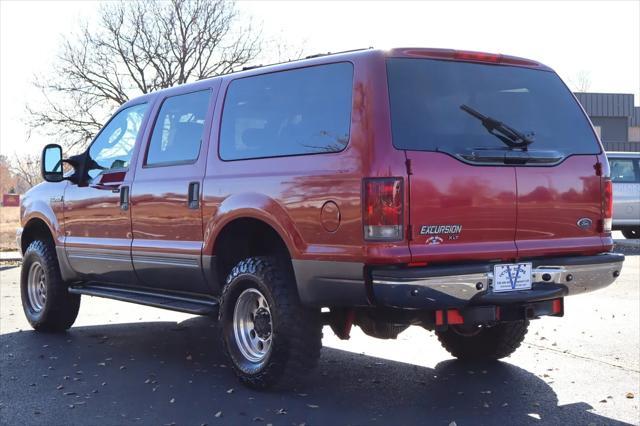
(165, 372)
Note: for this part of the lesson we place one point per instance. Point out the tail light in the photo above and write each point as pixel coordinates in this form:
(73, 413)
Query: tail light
(607, 205)
(383, 209)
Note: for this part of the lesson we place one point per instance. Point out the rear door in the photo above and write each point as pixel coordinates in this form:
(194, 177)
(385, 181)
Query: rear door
(166, 211)
(472, 196)
(458, 210)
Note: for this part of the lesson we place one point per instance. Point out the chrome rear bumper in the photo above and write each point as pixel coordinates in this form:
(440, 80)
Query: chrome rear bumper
(461, 285)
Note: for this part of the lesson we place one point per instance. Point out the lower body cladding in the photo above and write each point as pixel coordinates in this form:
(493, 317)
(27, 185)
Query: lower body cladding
(453, 294)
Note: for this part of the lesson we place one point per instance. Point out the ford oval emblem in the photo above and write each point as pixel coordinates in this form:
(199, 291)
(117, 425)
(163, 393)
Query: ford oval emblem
(584, 223)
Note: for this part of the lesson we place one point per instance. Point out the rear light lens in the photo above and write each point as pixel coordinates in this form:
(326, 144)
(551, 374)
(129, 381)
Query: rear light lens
(477, 56)
(383, 209)
(607, 205)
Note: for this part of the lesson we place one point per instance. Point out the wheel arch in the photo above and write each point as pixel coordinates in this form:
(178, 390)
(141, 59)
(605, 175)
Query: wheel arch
(37, 227)
(243, 237)
(257, 207)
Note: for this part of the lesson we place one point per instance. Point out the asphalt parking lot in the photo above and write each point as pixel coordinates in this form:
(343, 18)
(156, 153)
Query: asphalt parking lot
(127, 364)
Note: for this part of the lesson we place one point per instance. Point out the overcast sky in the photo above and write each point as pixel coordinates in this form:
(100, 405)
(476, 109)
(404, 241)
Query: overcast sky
(601, 38)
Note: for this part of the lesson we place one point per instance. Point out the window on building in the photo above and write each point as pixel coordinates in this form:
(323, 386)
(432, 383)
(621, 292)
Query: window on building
(598, 130)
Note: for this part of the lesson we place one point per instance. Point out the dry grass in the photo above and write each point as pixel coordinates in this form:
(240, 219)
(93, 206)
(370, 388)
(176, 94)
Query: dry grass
(9, 222)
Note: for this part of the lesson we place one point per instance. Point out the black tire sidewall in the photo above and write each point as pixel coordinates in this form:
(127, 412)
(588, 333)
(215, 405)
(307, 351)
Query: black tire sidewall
(61, 308)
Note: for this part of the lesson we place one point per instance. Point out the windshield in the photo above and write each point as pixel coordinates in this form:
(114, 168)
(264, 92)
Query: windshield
(426, 96)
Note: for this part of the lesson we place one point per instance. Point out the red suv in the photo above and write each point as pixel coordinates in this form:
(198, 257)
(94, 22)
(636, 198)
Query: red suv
(463, 192)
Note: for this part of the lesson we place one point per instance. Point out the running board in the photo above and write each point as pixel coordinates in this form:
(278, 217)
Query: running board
(190, 305)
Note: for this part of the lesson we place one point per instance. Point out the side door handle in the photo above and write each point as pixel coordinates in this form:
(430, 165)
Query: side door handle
(124, 198)
(194, 195)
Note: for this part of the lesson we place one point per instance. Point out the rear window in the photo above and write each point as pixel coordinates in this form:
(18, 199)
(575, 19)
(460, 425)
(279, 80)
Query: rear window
(302, 111)
(624, 170)
(426, 96)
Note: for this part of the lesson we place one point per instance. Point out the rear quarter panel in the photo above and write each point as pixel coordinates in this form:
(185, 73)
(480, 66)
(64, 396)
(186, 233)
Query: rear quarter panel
(289, 192)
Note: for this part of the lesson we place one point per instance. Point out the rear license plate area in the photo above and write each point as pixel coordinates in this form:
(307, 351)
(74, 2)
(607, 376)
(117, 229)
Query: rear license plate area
(511, 277)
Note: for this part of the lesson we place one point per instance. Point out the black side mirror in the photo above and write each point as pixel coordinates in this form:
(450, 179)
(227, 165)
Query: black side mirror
(52, 163)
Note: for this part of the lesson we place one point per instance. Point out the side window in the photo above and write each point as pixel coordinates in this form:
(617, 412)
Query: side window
(302, 111)
(177, 133)
(622, 170)
(113, 147)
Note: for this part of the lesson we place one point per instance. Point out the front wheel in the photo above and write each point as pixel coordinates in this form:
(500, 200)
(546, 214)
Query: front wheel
(631, 233)
(480, 343)
(266, 332)
(46, 302)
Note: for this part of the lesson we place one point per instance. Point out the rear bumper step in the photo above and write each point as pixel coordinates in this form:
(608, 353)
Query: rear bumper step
(190, 305)
(455, 286)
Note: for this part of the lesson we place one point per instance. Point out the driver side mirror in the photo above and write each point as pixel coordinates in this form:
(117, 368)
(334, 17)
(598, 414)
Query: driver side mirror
(52, 163)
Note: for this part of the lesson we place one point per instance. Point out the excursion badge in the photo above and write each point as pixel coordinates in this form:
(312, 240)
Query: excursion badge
(439, 233)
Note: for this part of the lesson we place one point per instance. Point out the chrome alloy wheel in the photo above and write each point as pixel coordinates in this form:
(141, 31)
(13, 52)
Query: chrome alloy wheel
(36, 287)
(252, 325)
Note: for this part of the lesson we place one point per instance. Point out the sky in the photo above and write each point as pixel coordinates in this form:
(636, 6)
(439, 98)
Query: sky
(598, 38)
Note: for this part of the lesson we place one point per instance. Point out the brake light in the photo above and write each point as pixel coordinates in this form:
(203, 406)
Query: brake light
(607, 205)
(477, 56)
(470, 56)
(383, 209)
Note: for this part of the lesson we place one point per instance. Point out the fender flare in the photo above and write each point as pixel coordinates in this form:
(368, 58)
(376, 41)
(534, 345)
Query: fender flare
(253, 206)
(38, 210)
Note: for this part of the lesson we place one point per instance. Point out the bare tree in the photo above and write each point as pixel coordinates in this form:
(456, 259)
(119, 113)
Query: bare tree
(26, 169)
(137, 47)
(7, 179)
(581, 82)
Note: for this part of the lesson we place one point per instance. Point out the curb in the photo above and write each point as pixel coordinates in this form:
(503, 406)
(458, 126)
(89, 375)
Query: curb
(10, 256)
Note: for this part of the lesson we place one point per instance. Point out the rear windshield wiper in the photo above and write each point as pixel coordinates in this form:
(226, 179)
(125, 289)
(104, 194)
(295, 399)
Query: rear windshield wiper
(507, 134)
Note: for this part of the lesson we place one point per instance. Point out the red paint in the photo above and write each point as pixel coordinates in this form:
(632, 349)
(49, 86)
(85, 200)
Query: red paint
(505, 212)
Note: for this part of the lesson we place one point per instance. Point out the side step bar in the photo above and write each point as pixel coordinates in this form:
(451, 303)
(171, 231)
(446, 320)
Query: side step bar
(190, 305)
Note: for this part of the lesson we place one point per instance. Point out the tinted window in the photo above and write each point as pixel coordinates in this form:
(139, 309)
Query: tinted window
(426, 96)
(303, 111)
(113, 146)
(623, 170)
(177, 133)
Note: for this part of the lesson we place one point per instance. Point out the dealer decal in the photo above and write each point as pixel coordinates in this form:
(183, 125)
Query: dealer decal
(437, 232)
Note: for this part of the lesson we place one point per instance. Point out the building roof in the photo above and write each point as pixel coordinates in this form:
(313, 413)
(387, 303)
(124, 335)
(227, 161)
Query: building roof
(608, 105)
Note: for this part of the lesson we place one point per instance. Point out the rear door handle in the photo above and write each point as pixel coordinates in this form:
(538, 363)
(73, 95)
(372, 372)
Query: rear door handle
(194, 195)
(124, 198)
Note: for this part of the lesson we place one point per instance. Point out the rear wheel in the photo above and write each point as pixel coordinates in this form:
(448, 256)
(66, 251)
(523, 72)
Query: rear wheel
(267, 334)
(46, 302)
(481, 343)
(631, 233)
